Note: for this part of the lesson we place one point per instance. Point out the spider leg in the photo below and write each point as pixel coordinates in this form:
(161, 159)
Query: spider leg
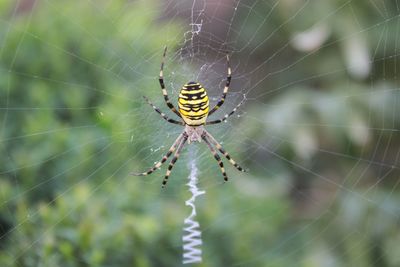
(156, 166)
(165, 117)
(174, 159)
(226, 116)
(164, 91)
(217, 157)
(226, 88)
(222, 150)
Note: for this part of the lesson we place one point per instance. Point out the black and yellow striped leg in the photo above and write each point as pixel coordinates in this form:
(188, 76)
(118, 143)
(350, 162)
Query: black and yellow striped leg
(226, 115)
(156, 166)
(226, 88)
(174, 159)
(217, 157)
(222, 150)
(165, 117)
(164, 91)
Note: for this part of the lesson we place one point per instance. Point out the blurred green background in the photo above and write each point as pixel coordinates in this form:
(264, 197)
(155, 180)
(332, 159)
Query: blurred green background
(318, 131)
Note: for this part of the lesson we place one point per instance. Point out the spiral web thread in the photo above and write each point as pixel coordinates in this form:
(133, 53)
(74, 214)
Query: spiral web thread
(192, 234)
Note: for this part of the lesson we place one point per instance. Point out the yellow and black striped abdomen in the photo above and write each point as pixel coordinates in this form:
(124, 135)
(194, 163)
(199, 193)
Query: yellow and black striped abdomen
(193, 104)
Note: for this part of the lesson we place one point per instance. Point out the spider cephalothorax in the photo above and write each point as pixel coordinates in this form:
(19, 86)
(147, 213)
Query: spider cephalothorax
(193, 106)
(194, 134)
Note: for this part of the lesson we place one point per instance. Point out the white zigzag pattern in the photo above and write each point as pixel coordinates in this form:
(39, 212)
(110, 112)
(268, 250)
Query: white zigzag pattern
(192, 237)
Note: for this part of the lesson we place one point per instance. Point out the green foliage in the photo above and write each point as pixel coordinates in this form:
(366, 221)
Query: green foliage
(326, 118)
(73, 125)
(67, 142)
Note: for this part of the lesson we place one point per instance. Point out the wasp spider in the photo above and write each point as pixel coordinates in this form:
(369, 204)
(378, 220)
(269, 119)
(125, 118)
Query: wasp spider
(193, 106)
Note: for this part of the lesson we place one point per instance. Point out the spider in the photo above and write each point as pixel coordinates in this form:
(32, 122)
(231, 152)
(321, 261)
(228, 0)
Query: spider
(193, 111)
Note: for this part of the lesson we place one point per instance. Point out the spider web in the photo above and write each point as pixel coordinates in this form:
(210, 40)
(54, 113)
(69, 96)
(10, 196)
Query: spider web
(319, 132)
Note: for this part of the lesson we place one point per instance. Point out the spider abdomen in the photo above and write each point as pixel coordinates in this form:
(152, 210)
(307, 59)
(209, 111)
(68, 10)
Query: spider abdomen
(193, 104)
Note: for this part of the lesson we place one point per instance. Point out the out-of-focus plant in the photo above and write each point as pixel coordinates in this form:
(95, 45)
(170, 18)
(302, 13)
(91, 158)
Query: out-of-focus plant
(70, 113)
(61, 65)
(328, 111)
(67, 71)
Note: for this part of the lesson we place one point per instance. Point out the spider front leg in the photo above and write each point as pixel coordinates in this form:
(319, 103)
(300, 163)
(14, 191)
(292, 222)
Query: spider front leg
(222, 150)
(165, 117)
(164, 91)
(226, 88)
(217, 158)
(174, 159)
(156, 166)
